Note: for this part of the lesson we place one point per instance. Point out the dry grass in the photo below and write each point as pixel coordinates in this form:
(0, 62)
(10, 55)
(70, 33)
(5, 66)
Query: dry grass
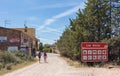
(16, 67)
(75, 64)
(80, 65)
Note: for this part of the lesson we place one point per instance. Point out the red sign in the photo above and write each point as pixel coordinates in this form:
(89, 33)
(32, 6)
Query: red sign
(14, 40)
(94, 52)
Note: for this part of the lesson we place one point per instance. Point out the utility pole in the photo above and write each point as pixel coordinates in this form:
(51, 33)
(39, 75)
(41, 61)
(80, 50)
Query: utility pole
(26, 38)
(25, 30)
(6, 22)
(25, 25)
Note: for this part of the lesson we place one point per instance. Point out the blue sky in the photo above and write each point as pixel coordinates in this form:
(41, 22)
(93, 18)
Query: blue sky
(48, 17)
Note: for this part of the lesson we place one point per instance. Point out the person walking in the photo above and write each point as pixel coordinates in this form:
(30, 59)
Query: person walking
(45, 56)
(39, 55)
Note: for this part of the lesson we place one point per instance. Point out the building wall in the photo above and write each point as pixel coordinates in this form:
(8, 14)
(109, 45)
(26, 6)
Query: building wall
(30, 32)
(29, 42)
(15, 38)
(10, 37)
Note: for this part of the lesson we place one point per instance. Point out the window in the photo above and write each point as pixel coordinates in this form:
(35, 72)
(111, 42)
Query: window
(3, 39)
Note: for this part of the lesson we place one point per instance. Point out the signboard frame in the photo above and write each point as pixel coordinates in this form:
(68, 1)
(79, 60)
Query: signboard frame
(94, 52)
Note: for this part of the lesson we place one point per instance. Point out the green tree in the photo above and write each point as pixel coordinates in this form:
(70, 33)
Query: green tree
(47, 48)
(41, 46)
(91, 24)
(98, 19)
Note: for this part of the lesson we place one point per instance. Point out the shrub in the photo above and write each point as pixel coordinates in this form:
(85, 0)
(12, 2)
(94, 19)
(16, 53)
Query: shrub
(30, 58)
(15, 58)
(114, 49)
(1, 54)
(47, 50)
(1, 66)
(19, 54)
(23, 56)
(9, 66)
(8, 57)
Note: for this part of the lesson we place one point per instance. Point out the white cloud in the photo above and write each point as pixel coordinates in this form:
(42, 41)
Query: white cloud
(32, 18)
(41, 27)
(49, 21)
(66, 13)
(59, 5)
(46, 22)
(51, 30)
(63, 14)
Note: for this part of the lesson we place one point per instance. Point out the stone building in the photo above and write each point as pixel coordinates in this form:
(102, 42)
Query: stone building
(11, 39)
(30, 32)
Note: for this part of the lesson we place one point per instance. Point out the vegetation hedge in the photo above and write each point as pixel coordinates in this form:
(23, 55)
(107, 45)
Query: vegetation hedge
(114, 49)
(8, 59)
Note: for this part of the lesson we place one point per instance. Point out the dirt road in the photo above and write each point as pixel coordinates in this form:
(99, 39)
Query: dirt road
(56, 66)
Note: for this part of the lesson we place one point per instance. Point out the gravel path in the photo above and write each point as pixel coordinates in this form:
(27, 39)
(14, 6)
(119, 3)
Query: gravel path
(56, 66)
